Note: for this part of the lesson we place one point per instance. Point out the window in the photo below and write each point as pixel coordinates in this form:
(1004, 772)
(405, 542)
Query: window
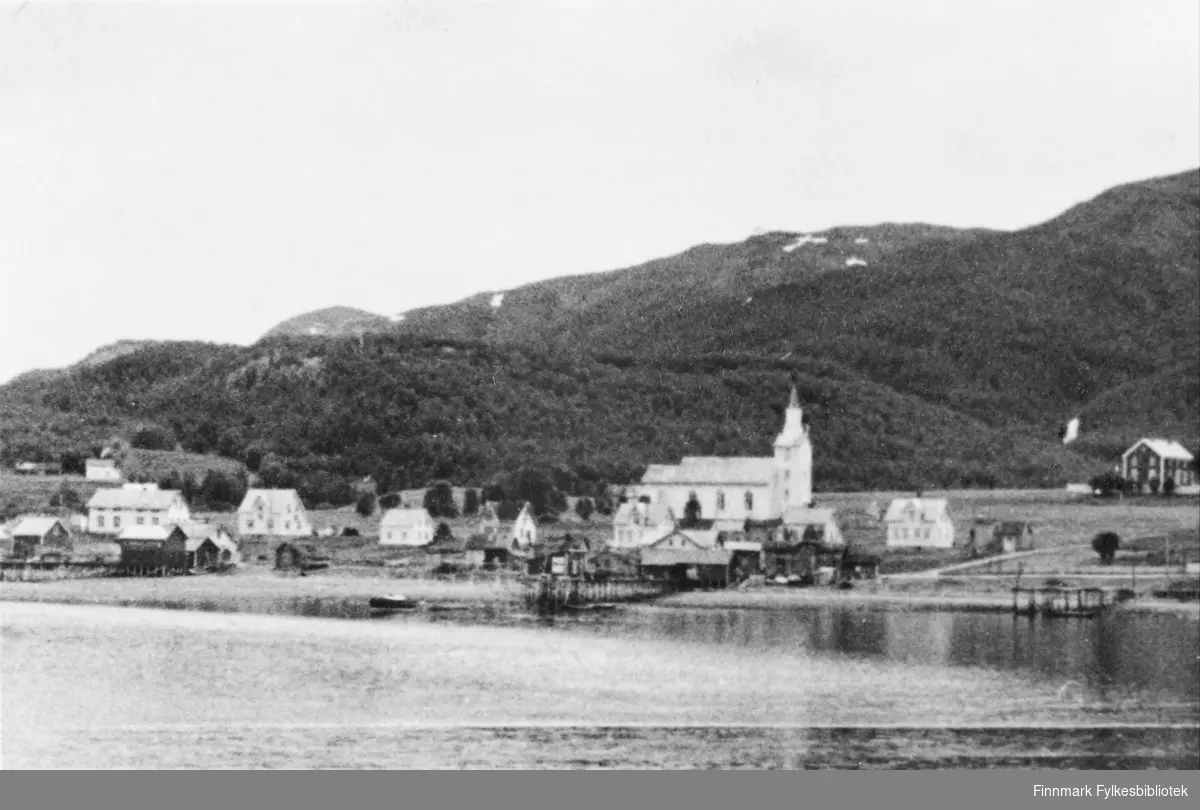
(140, 520)
(270, 525)
(720, 501)
(749, 501)
(154, 520)
(287, 524)
(100, 522)
(904, 534)
(389, 535)
(116, 521)
(787, 475)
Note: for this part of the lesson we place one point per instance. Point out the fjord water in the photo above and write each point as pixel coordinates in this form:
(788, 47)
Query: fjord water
(98, 687)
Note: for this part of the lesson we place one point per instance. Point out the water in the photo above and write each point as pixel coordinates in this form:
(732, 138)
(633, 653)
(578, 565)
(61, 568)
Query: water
(89, 687)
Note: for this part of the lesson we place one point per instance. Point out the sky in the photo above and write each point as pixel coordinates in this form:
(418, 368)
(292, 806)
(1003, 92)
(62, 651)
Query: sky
(203, 170)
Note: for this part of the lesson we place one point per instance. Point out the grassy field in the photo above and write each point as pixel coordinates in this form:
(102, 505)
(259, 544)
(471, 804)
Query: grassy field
(25, 494)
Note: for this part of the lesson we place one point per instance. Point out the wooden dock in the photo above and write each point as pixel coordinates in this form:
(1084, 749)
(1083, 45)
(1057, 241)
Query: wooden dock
(552, 592)
(1059, 602)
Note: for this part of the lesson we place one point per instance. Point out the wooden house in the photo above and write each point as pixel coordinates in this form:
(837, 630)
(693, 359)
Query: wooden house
(273, 513)
(818, 525)
(32, 537)
(153, 550)
(1011, 536)
(638, 524)
(209, 545)
(406, 527)
(1150, 462)
(919, 523)
(688, 566)
(102, 469)
(614, 564)
(565, 557)
(112, 510)
(481, 551)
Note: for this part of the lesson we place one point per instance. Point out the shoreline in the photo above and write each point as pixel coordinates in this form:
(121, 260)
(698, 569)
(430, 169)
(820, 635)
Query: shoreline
(263, 591)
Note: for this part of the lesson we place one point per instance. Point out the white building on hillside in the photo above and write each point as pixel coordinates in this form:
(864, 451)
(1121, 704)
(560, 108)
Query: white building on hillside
(919, 523)
(273, 512)
(739, 488)
(102, 469)
(110, 511)
(406, 527)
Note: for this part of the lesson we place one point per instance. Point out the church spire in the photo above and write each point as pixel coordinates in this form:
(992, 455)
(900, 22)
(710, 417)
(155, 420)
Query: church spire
(794, 402)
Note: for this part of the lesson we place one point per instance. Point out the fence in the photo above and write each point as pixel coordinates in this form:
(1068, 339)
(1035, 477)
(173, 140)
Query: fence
(39, 571)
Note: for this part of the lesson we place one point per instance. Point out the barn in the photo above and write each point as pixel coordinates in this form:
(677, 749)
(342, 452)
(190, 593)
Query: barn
(33, 536)
(152, 550)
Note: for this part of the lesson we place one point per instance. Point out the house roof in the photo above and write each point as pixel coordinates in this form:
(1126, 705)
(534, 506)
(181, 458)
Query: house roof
(713, 470)
(405, 518)
(134, 496)
(274, 500)
(930, 510)
(100, 462)
(699, 539)
(199, 531)
(146, 533)
(1011, 527)
(685, 556)
(803, 516)
(34, 526)
(1163, 448)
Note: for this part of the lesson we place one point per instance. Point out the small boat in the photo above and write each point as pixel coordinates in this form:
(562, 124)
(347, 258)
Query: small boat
(599, 607)
(1091, 612)
(446, 607)
(393, 602)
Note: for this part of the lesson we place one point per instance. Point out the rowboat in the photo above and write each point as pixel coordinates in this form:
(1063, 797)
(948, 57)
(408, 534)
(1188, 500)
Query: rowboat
(393, 602)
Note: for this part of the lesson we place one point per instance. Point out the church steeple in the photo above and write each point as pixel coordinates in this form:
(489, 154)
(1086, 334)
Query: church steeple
(794, 431)
(794, 402)
(793, 459)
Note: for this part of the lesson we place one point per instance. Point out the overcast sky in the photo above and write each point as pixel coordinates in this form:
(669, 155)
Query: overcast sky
(203, 170)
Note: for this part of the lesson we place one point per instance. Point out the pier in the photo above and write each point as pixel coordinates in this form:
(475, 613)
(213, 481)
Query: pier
(1059, 601)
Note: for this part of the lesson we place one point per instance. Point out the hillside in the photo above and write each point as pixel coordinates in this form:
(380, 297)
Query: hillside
(935, 358)
(331, 322)
(1027, 325)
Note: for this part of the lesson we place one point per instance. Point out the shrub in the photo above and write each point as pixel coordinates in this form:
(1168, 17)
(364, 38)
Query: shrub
(1105, 544)
(365, 505)
(584, 508)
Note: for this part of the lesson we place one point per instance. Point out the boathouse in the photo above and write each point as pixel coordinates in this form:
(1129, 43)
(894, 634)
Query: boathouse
(688, 566)
(152, 550)
(34, 536)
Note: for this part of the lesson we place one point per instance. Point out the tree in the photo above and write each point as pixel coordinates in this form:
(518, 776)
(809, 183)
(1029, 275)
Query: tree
(1168, 488)
(1107, 484)
(691, 512)
(365, 504)
(442, 534)
(389, 501)
(73, 463)
(470, 502)
(439, 500)
(1154, 485)
(67, 498)
(1105, 544)
(584, 508)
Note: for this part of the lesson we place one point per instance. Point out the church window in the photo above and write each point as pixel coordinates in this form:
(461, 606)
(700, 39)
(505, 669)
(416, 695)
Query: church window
(787, 475)
(749, 501)
(720, 501)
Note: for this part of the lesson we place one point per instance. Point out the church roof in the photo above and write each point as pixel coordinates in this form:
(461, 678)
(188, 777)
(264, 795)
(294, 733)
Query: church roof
(713, 470)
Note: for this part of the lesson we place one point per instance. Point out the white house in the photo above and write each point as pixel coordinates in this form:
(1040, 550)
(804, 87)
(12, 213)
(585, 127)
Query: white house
(739, 488)
(112, 510)
(639, 524)
(406, 527)
(524, 530)
(273, 512)
(1157, 460)
(919, 523)
(823, 522)
(102, 469)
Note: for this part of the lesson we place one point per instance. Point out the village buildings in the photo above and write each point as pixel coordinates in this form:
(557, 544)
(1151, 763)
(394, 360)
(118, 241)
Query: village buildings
(638, 524)
(919, 523)
(207, 544)
(406, 527)
(273, 513)
(1150, 463)
(112, 510)
(153, 549)
(739, 488)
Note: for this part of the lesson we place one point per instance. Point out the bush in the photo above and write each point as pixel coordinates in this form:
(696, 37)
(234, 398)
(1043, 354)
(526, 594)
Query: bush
(1108, 484)
(1168, 488)
(365, 505)
(584, 508)
(389, 501)
(1105, 544)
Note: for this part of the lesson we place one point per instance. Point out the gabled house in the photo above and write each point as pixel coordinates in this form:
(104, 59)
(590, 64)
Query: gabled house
(273, 513)
(34, 536)
(919, 523)
(565, 557)
(1149, 463)
(818, 524)
(209, 544)
(102, 469)
(1010, 536)
(638, 524)
(114, 509)
(406, 527)
(524, 531)
(150, 549)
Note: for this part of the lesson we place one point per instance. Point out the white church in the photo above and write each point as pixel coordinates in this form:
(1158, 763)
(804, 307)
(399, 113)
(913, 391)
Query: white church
(734, 489)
